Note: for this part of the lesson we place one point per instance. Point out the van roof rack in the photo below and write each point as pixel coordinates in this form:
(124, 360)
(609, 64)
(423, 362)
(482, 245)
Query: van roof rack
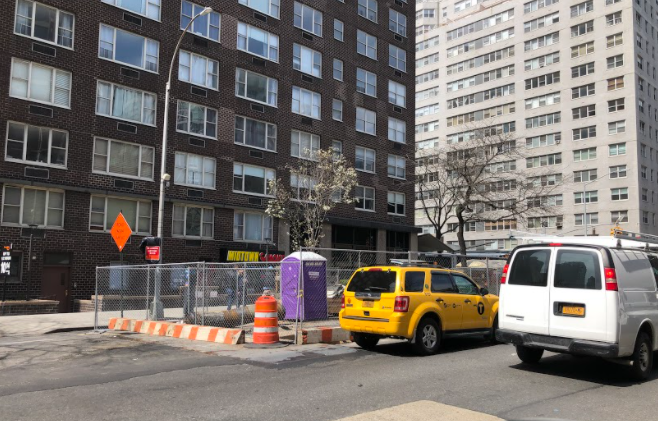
(618, 238)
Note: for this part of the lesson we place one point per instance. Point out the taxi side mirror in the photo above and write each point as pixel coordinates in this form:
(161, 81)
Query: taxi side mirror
(484, 291)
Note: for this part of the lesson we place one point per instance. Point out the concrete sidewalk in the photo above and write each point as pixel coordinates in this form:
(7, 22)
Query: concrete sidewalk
(38, 324)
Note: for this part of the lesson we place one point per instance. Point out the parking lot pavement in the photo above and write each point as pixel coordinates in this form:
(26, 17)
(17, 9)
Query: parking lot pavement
(78, 376)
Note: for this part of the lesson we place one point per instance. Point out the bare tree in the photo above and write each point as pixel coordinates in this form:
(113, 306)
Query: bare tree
(433, 192)
(315, 188)
(485, 180)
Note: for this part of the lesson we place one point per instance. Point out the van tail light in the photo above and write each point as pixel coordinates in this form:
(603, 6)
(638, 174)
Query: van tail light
(342, 302)
(401, 304)
(503, 278)
(610, 279)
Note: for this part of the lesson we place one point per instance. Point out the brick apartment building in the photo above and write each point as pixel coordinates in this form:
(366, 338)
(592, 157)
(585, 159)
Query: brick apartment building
(255, 85)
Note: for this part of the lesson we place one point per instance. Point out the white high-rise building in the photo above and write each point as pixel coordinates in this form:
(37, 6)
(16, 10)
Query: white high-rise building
(575, 82)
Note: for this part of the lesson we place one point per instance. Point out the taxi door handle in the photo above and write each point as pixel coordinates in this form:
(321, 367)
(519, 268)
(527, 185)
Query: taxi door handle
(454, 305)
(439, 300)
(467, 301)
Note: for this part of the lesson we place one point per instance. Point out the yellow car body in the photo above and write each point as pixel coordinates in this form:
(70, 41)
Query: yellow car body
(391, 301)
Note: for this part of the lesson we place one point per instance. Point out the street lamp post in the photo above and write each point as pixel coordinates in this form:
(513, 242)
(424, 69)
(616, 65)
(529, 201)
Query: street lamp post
(157, 311)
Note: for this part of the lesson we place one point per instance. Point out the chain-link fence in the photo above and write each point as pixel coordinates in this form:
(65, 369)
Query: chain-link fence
(308, 285)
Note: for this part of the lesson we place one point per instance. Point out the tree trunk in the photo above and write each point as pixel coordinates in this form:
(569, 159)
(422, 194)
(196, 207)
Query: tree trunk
(460, 238)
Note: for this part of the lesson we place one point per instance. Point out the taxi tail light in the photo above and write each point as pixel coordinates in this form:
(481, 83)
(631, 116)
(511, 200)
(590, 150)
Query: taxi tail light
(342, 302)
(610, 279)
(401, 304)
(503, 277)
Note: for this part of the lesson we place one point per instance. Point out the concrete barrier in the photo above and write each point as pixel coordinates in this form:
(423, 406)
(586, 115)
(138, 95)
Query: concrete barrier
(323, 335)
(179, 330)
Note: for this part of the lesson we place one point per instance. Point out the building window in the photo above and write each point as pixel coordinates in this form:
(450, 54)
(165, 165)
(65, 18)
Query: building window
(583, 112)
(148, 8)
(193, 222)
(365, 121)
(615, 61)
(617, 149)
(582, 70)
(397, 94)
(207, 26)
(258, 42)
(128, 48)
(366, 44)
(337, 109)
(24, 206)
(397, 167)
(545, 222)
(592, 219)
(582, 49)
(364, 198)
(583, 91)
(397, 58)
(619, 194)
(254, 227)
(194, 170)
(584, 176)
(104, 211)
(252, 180)
(645, 195)
(198, 70)
(584, 154)
(308, 19)
(618, 171)
(337, 147)
(338, 69)
(544, 160)
(396, 203)
(256, 87)
(125, 103)
(368, 9)
(583, 133)
(366, 82)
(614, 40)
(582, 8)
(618, 217)
(615, 83)
(254, 133)
(36, 145)
(616, 105)
(364, 159)
(44, 23)
(302, 187)
(304, 145)
(397, 130)
(339, 30)
(269, 7)
(306, 60)
(307, 103)
(397, 22)
(617, 127)
(613, 19)
(123, 159)
(43, 84)
(196, 120)
(582, 29)
(645, 217)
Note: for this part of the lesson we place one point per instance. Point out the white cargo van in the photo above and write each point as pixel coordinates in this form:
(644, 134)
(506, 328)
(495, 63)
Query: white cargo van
(583, 299)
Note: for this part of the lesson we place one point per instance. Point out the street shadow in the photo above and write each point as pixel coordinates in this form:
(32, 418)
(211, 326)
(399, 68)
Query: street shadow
(404, 349)
(589, 369)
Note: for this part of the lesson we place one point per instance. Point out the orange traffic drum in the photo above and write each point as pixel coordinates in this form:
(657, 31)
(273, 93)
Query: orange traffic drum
(266, 321)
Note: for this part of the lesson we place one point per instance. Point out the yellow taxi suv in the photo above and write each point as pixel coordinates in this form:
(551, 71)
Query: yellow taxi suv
(422, 304)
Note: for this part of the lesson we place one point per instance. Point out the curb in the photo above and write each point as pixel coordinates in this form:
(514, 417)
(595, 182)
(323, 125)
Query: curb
(179, 330)
(323, 335)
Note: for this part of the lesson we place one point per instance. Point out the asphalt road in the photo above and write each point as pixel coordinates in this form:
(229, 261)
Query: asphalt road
(89, 377)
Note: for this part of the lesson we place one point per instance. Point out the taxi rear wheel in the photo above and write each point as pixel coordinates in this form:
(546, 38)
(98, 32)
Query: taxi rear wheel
(365, 340)
(428, 337)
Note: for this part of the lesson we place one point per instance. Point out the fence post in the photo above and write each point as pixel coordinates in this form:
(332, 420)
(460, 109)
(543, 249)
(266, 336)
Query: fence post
(488, 275)
(453, 263)
(148, 289)
(298, 321)
(96, 304)
(244, 291)
(409, 257)
(359, 265)
(202, 271)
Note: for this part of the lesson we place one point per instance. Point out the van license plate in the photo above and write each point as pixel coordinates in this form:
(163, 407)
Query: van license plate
(368, 304)
(573, 310)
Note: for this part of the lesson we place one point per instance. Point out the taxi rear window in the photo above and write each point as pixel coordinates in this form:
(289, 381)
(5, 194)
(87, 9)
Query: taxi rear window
(373, 281)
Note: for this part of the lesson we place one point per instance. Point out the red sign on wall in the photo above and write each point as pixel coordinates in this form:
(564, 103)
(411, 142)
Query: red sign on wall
(152, 253)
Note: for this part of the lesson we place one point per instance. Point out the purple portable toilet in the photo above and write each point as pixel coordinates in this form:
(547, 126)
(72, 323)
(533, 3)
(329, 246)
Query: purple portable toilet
(313, 304)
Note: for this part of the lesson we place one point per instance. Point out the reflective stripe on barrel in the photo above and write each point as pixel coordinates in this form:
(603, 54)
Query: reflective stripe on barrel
(266, 321)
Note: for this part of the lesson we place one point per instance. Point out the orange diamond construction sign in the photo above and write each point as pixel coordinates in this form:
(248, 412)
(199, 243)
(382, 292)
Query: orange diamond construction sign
(121, 231)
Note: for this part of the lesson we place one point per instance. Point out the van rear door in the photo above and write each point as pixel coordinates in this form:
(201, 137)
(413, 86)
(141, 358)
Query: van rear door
(524, 298)
(578, 304)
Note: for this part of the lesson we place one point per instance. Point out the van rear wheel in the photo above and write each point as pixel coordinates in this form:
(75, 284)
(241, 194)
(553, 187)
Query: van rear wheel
(642, 357)
(428, 337)
(529, 355)
(365, 341)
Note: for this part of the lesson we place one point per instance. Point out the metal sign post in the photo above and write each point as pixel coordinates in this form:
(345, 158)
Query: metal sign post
(5, 269)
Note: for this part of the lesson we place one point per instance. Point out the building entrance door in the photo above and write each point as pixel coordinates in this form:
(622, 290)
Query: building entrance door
(56, 279)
